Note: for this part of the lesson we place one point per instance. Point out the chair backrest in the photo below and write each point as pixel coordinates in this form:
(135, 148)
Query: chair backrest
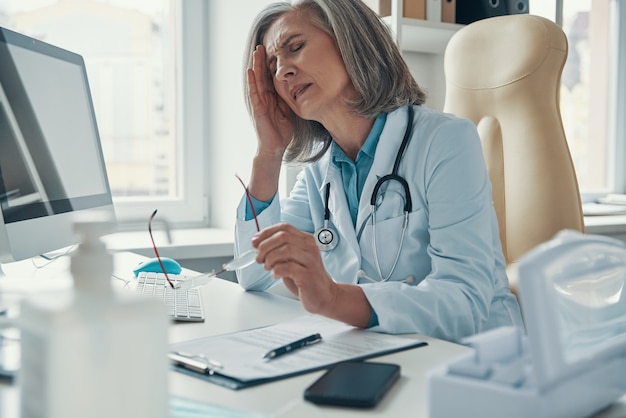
(504, 73)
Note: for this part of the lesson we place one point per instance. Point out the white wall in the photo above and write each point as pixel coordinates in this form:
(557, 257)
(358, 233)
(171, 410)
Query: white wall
(231, 135)
(427, 69)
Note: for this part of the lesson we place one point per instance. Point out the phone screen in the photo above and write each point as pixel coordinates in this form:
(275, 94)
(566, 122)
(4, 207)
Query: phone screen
(353, 384)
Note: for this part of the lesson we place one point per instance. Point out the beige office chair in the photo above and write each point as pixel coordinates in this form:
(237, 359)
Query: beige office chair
(504, 73)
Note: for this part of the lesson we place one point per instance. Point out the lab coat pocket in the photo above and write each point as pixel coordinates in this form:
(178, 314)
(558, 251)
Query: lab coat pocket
(380, 246)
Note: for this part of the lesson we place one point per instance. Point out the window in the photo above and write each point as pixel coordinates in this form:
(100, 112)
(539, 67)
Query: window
(585, 98)
(589, 81)
(140, 66)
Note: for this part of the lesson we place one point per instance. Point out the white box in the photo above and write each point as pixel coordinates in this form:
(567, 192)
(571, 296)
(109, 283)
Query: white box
(572, 363)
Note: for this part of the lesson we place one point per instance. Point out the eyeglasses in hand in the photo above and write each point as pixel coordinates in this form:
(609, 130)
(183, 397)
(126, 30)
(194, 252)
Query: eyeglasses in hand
(156, 251)
(243, 260)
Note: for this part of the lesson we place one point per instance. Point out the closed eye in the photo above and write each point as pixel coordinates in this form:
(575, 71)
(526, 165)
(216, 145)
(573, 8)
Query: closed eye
(296, 47)
(291, 45)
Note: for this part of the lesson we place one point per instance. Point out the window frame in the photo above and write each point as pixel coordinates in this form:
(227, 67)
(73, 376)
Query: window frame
(617, 124)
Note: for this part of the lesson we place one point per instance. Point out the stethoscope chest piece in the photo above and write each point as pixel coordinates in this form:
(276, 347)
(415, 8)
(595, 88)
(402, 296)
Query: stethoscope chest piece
(327, 237)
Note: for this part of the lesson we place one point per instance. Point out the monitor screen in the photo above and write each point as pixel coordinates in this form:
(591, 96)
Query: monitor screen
(51, 162)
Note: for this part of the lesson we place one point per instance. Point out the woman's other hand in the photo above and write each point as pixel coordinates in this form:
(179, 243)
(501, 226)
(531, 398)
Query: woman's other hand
(293, 255)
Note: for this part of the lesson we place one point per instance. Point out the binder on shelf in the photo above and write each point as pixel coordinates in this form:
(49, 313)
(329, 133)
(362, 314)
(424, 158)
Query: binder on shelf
(468, 11)
(448, 11)
(433, 10)
(414, 9)
(382, 7)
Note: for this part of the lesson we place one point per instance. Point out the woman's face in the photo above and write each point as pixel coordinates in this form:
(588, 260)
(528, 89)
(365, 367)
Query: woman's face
(307, 70)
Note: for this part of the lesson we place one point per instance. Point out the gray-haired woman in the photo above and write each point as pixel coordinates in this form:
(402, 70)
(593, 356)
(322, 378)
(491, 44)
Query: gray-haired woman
(390, 225)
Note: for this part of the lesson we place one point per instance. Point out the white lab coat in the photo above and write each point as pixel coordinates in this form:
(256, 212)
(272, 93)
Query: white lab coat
(451, 248)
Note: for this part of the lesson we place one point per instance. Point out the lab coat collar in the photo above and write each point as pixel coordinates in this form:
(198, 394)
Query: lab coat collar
(338, 204)
(386, 151)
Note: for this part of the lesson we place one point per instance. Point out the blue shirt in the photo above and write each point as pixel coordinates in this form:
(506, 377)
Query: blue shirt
(354, 173)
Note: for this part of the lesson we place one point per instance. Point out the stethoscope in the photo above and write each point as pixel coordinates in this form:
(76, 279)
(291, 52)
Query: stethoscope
(327, 236)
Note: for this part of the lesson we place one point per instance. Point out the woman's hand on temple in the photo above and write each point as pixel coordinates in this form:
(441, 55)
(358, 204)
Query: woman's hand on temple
(273, 119)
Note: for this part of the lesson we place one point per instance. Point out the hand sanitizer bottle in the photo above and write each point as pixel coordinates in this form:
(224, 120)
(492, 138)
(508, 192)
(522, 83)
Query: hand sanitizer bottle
(93, 352)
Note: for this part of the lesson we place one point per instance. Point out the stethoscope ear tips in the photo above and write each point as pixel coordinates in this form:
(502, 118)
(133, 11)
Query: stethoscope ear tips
(361, 275)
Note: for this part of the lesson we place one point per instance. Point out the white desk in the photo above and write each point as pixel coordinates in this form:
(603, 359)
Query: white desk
(228, 308)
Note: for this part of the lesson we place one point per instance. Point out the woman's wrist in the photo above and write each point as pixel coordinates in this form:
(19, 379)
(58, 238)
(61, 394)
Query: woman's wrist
(347, 303)
(264, 179)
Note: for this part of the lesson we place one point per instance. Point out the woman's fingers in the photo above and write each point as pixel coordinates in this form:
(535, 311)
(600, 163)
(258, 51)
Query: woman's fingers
(272, 116)
(263, 81)
(260, 87)
(276, 242)
(291, 252)
(282, 243)
(274, 236)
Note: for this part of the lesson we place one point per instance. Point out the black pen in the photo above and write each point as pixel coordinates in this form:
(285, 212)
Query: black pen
(277, 352)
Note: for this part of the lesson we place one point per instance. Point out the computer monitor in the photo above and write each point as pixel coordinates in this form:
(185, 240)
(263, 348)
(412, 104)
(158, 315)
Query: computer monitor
(51, 161)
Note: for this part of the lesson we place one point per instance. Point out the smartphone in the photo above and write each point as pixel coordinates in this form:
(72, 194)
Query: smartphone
(354, 384)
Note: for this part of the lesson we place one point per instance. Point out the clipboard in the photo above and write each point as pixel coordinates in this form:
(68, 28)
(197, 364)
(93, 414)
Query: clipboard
(235, 360)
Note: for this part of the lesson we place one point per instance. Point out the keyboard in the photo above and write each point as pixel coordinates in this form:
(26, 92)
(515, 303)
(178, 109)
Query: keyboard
(182, 305)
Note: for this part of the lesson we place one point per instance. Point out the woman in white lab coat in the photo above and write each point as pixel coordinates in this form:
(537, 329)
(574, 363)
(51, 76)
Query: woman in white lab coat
(327, 86)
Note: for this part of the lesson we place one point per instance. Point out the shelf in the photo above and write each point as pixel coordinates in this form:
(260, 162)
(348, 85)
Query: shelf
(422, 36)
(425, 36)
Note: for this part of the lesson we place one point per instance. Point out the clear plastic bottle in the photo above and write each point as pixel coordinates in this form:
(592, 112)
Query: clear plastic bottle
(93, 352)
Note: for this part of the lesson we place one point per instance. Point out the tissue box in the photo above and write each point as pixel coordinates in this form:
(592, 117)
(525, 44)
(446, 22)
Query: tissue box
(572, 361)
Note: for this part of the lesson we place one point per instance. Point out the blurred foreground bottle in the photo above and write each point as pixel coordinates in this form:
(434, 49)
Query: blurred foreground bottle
(93, 352)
